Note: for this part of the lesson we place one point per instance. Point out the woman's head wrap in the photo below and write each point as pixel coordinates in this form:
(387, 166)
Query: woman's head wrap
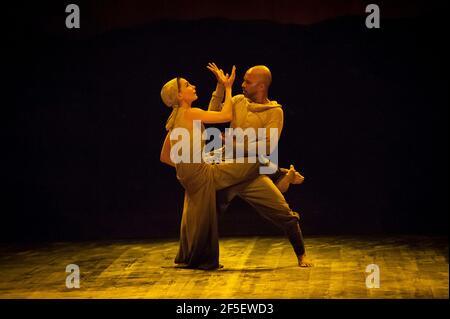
(169, 95)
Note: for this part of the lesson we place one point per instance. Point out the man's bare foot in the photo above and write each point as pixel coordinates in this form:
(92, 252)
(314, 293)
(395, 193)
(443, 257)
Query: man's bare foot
(303, 261)
(284, 182)
(298, 178)
(291, 177)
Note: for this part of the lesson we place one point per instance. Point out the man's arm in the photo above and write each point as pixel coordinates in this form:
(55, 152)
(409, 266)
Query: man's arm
(276, 119)
(165, 152)
(215, 104)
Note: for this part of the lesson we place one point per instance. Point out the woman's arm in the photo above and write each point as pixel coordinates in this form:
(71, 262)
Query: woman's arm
(226, 114)
(165, 152)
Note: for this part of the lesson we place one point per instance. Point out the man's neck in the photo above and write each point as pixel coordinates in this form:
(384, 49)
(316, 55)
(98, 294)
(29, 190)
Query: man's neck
(261, 99)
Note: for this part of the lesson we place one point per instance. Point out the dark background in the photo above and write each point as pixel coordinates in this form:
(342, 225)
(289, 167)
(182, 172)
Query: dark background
(366, 114)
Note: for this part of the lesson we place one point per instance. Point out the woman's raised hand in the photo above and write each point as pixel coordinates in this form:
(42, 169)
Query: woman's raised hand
(220, 76)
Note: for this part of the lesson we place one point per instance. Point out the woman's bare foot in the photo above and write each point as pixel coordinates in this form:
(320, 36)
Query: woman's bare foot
(303, 261)
(291, 177)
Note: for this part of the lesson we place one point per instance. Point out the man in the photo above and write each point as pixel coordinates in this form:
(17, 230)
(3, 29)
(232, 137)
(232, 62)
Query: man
(253, 109)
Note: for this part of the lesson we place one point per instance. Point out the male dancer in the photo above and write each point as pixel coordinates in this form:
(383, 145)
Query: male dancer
(253, 109)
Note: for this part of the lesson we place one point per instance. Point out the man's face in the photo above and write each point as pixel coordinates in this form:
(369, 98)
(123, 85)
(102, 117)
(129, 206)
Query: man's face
(250, 85)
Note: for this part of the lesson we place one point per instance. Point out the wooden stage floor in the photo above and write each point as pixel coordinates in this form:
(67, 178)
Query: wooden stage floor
(255, 267)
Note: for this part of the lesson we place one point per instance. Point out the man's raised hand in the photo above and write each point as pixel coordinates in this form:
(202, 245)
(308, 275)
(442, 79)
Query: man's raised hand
(230, 79)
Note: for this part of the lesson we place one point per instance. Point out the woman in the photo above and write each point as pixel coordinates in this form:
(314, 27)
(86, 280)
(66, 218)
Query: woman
(199, 241)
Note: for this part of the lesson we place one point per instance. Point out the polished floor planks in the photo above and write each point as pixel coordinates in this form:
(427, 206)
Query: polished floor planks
(255, 267)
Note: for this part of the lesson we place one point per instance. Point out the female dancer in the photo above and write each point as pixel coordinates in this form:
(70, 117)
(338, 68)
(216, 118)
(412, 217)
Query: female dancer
(199, 241)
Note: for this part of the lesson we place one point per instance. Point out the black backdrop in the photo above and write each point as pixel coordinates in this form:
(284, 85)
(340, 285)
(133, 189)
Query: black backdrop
(366, 122)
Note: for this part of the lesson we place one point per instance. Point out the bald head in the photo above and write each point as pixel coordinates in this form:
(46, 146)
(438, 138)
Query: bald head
(261, 74)
(256, 83)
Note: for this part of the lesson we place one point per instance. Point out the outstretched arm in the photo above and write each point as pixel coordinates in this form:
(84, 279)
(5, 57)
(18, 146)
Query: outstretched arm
(224, 115)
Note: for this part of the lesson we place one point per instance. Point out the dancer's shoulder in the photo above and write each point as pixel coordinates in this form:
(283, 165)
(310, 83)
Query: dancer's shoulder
(238, 98)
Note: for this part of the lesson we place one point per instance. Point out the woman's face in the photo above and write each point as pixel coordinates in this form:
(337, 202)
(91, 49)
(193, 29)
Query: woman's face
(186, 91)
